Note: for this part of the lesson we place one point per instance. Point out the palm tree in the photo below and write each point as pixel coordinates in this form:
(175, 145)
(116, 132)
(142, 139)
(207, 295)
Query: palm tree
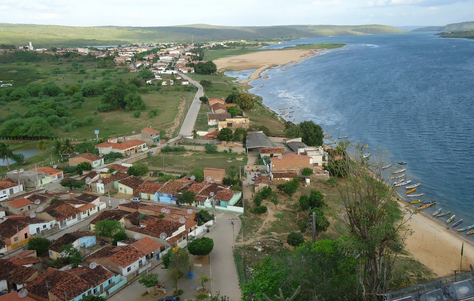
(5, 153)
(66, 148)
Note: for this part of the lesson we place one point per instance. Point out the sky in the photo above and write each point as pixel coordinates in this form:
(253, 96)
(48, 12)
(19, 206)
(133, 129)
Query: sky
(236, 13)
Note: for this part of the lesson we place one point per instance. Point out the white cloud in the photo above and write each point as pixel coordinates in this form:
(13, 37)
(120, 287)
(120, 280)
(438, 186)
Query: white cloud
(327, 3)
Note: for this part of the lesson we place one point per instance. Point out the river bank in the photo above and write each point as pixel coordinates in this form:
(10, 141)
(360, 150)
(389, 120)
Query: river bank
(430, 242)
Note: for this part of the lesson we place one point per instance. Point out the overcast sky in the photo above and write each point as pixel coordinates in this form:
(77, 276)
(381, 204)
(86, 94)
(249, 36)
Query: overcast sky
(236, 13)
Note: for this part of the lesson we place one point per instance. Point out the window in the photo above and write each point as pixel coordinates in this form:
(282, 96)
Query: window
(44, 226)
(16, 239)
(129, 269)
(26, 235)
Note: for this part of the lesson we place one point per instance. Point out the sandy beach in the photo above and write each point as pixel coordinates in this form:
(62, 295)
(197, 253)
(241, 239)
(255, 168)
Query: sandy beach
(262, 60)
(430, 242)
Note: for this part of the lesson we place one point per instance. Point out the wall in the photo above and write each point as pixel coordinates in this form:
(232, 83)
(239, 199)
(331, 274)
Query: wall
(136, 158)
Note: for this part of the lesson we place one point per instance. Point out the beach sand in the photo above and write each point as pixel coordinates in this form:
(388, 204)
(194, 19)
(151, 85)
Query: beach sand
(262, 60)
(430, 242)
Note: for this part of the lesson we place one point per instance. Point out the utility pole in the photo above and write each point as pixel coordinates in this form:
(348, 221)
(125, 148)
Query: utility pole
(313, 217)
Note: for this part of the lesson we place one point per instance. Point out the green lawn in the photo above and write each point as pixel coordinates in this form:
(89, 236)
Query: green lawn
(211, 55)
(201, 121)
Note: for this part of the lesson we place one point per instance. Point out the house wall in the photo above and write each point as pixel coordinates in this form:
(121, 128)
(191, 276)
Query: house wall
(87, 241)
(164, 198)
(125, 189)
(38, 228)
(3, 285)
(131, 269)
(12, 190)
(89, 212)
(53, 255)
(21, 238)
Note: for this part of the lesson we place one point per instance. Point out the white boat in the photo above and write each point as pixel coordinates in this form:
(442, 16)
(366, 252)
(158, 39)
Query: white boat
(398, 177)
(403, 183)
(343, 137)
(437, 212)
(416, 195)
(386, 166)
(366, 156)
(398, 182)
(412, 186)
(450, 219)
(398, 171)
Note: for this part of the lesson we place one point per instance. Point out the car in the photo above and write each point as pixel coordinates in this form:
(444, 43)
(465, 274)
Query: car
(170, 298)
(136, 200)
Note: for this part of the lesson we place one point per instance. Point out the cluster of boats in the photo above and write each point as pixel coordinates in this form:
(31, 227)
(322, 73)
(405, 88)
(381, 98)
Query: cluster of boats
(398, 178)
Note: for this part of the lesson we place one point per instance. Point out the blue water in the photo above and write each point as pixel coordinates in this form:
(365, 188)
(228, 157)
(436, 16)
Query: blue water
(410, 94)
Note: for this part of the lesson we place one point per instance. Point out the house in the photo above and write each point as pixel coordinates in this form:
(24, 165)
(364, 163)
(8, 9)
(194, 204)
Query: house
(214, 119)
(13, 277)
(204, 196)
(18, 206)
(148, 246)
(17, 230)
(118, 168)
(114, 214)
(227, 197)
(125, 260)
(147, 190)
(280, 177)
(28, 178)
(94, 160)
(126, 148)
(219, 108)
(129, 185)
(9, 187)
(317, 153)
(261, 182)
(290, 163)
(169, 191)
(27, 258)
(150, 135)
(78, 239)
(75, 283)
(185, 82)
(106, 184)
(257, 140)
(215, 175)
(161, 229)
(63, 213)
(54, 174)
(233, 122)
(270, 152)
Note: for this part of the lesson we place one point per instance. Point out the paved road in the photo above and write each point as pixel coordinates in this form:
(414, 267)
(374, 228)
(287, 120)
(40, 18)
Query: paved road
(191, 116)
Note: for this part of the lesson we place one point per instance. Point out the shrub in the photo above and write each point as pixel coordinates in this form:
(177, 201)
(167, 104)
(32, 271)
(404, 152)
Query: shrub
(295, 239)
(260, 209)
(136, 113)
(303, 226)
(169, 149)
(210, 148)
(257, 200)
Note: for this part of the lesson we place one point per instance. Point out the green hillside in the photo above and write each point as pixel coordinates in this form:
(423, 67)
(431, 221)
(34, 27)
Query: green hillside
(52, 35)
(459, 30)
(429, 28)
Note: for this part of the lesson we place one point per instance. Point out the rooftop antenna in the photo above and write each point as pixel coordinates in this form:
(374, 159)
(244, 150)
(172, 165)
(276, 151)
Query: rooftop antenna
(37, 201)
(190, 211)
(163, 235)
(92, 265)
(137, 236)
(182, 220)
(22, 293)
(32, 214)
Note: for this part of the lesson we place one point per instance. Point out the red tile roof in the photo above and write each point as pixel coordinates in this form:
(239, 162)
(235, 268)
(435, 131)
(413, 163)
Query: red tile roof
(149, 187)
(118, 167)
(262, 180)
(150, 131)
(61, 210)
(47, 170)
(275, 150)
(174, 186)
(154, 226)
(291, 161)
(132, 182)
(89, 156)
(15, 273)
(225, 195)
(284, 175)
(116, 177)
(26, 260)
(7, 183)
(86, 207)
(13, 296)
(220, 117)
(115, 214)
(19, 203)
(67, 239)
(146, 245)
(123, 256)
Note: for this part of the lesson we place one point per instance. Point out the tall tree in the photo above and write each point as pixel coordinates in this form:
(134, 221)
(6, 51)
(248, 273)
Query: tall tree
(149, 280)
(66, 148)
(107, 228)
(311, 133)
(178, 265)
(5, 153)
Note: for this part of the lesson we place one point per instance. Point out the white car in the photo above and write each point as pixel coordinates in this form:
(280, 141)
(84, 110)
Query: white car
(136, 200)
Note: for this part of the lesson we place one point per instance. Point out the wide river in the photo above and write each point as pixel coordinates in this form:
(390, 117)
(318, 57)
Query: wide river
(410, 94)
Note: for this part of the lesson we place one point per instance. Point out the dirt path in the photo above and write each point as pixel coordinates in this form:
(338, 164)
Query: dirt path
(177, 121)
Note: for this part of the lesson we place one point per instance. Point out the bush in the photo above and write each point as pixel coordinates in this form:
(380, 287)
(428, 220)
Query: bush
(203, 217)
(295, 239)
(303, 226)
(210, 148)
(307, 171)
(257, 199)
(260, 209)
(136, 114)
(169, 149)
(201, 246)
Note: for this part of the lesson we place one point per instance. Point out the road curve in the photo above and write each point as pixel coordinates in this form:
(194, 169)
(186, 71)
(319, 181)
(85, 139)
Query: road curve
(191, 116)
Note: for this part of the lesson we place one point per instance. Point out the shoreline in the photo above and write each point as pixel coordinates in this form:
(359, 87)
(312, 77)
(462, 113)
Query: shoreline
(429, 241)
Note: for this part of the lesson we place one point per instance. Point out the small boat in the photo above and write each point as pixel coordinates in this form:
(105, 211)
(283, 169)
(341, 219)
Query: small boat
(466, 228)
(403, 183)
(470, 232)
(327, 136)
(386, 166)
(416, 195)
(398, 177)
(366, 156)
(402, 163)
(443, 214)
(417, 202)
(398, 171)
(411, 190)
(413, 186)
(450, 219)
(398, 181)
(426, 205)
(437, 212)
(457, 223)
(343, 137)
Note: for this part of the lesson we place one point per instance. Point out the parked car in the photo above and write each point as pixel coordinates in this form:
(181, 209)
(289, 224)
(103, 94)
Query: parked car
(170, 298)
(136, 200)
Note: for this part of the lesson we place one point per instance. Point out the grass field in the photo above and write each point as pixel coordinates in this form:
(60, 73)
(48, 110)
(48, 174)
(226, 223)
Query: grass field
(211, 55)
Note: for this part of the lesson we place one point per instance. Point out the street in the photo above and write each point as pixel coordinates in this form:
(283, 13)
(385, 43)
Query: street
(191, 116)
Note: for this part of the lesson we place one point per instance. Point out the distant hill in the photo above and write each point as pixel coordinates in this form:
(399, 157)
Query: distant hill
(60, 36)
(459, 30)
(429, 28)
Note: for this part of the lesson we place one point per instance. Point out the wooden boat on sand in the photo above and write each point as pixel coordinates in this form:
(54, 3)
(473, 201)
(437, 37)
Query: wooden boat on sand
(427, 205)
(466, 228)
(437, 212)
(457, 223)
(413, 186)
(450, 219)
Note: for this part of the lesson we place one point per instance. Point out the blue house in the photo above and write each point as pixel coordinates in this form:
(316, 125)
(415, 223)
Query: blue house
(168, 193)
(227, 197)
(78, 239)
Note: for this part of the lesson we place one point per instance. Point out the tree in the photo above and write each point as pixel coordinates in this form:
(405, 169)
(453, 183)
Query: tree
(295, 239)
(307, 171)
(322, 224)
(178, 265)
(66, 148)
(149, 280)
(71, 255)
(310, 133)
(71, 183)
(93, 298)
(204, 280)
(40, 244)
(225, 134)
(245, 101)
(146, 74)
(138, 169)
(5, 153)
(204, 99)
(205, 68)
(119, 236)
(290, 187)
(205, 83)
(186, 197)
(134, 101)
(107, 227)
(198, 174)
(18, 158)
(240, 134)
(210, 148)
(83, 166)
(203, 216)
(201, 246)
(42, 145)
(235, 111)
